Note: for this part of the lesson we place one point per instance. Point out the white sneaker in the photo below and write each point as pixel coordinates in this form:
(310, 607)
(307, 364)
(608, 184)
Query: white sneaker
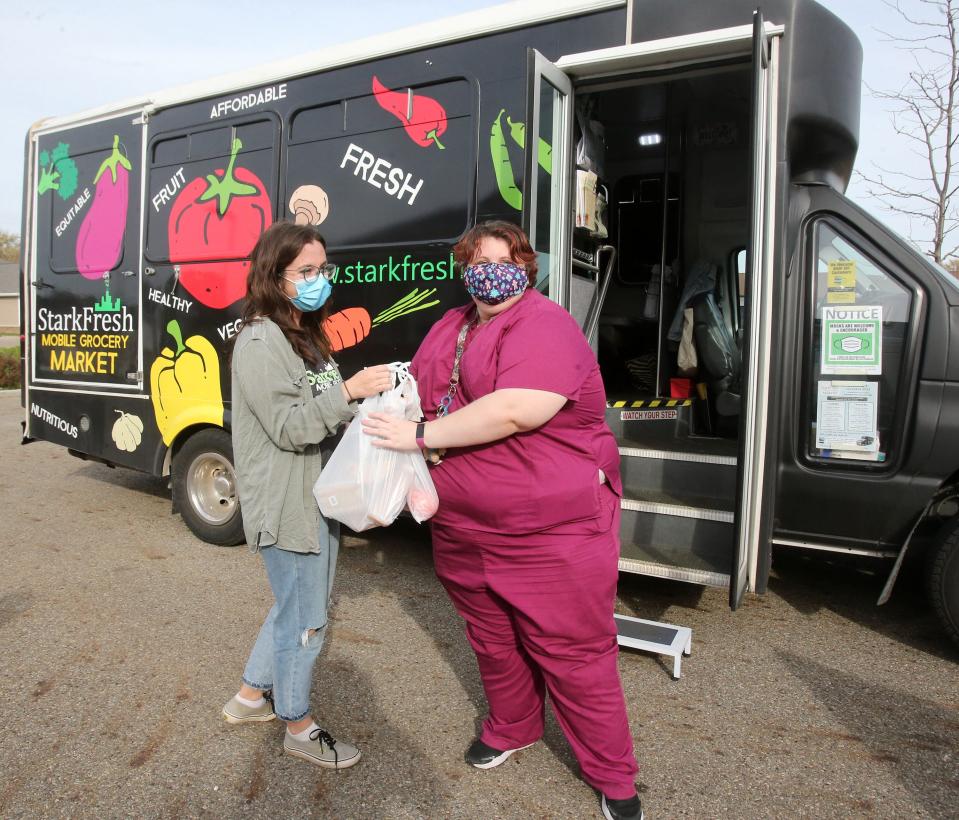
(236, 712)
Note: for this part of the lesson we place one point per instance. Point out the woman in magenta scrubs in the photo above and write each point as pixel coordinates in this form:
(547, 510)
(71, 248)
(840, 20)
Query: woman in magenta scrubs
(526, 538)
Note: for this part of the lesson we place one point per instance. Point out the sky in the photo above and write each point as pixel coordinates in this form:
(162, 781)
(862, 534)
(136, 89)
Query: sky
(59, 58)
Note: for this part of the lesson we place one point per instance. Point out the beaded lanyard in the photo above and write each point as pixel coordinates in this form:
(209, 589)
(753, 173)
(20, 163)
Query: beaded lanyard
(436, 456)
(444, 406)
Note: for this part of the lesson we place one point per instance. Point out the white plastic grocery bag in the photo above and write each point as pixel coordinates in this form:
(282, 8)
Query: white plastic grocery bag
(364, 486)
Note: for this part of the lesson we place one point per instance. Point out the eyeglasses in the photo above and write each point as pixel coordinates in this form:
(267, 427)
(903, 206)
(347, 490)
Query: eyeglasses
(310, 273)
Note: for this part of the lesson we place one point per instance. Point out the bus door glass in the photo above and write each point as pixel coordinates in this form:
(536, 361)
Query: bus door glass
(85, 322)
(546, 192)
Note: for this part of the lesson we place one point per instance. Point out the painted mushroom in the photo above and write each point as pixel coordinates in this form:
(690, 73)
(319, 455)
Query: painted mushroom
(309, 205)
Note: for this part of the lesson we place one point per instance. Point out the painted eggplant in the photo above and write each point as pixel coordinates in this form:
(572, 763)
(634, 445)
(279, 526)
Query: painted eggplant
(100, 239)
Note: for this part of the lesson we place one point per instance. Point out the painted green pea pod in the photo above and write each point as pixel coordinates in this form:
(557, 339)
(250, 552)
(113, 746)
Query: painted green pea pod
(502, 167)
(544, 154)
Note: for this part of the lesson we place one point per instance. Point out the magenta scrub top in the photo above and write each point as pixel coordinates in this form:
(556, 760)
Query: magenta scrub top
(533, 481)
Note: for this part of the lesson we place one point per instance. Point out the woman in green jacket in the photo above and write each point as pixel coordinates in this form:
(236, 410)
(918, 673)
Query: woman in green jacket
(288, 401)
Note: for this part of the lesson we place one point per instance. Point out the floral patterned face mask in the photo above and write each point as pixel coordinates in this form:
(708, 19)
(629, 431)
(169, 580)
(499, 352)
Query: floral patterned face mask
(495, 282)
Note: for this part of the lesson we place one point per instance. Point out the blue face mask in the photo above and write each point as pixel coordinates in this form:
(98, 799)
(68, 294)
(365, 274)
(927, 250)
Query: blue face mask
(312, 295)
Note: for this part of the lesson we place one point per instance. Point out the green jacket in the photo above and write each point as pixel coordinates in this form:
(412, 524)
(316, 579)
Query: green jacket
(278, 426)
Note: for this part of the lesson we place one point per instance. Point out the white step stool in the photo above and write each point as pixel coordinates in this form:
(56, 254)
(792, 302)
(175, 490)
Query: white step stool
(653, 636)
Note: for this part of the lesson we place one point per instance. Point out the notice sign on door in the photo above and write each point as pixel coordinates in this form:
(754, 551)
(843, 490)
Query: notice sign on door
(841, 282)
(851, 340)
(846, 414)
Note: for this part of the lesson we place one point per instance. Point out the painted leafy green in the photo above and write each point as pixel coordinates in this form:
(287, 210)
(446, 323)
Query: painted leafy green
(58, 172)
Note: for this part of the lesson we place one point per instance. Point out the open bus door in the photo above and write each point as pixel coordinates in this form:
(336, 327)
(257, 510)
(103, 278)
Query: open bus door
(547, 217)
(753, 420)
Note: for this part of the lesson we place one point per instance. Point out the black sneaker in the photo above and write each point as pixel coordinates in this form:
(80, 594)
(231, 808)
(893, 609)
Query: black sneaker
(486, 757)
(628, 809)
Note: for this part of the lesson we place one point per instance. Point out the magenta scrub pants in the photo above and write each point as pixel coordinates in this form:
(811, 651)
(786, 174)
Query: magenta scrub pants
(539, 615)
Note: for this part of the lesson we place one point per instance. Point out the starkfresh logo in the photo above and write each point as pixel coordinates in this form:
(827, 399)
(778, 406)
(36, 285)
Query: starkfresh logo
(324, 380)
(85, 320)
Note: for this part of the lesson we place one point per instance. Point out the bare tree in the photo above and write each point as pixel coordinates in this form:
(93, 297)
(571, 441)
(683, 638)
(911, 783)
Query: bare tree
(9, 247)
(924, 111)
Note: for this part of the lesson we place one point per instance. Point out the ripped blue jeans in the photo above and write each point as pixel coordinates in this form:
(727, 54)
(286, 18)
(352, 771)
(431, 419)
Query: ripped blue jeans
(292, 634)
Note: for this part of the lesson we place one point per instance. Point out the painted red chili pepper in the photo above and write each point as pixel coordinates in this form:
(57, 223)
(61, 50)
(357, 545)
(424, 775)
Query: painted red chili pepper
(427, 119)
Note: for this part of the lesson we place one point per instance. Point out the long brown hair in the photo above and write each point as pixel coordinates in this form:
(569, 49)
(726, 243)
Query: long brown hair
(275, 250)
(514, 237)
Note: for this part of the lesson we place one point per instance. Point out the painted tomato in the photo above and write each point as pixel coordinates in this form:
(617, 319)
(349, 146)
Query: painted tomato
(219, 217)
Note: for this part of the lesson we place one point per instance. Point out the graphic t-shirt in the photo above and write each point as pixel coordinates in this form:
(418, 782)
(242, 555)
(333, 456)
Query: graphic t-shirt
(322, 376)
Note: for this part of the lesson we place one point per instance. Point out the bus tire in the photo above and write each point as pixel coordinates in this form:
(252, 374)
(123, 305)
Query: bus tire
(204, 487)
(943, 577)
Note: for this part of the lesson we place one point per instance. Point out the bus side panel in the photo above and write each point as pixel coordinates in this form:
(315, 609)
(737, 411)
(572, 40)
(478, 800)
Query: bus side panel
(113, 428)
(392, 160)
(826, 495)
(944, 456)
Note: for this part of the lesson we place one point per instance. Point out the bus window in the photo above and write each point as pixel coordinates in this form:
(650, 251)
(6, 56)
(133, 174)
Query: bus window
(181, 196)
(855, 356)
(68, 214)
(392, 167)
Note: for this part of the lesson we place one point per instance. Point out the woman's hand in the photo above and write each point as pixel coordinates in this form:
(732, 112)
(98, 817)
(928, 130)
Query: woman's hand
(391, 432)
(368, 382)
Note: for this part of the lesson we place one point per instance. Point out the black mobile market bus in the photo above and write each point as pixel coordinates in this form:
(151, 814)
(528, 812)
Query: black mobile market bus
(781, 369)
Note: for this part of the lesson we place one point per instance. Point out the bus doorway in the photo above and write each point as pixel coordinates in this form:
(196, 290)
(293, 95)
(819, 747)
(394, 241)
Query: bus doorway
(667, 170)
(675, 177)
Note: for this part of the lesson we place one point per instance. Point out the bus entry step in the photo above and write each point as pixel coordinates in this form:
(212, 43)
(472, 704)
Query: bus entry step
(656, 637)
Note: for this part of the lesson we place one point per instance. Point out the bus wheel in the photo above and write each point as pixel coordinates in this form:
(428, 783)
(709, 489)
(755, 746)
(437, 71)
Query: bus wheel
(943, 577)
(204, 487)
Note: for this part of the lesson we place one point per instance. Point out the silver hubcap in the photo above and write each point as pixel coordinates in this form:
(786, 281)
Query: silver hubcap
(211, 486)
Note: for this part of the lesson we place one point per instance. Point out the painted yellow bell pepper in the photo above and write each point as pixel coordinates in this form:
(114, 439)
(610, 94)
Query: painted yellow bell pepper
(185, 385)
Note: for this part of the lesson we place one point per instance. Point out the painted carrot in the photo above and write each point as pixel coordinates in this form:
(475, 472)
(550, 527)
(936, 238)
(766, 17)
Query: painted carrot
(347, 327)
(426, 120)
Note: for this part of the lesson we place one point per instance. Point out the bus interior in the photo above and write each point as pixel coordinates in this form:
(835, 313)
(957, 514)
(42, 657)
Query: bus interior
(671, 158)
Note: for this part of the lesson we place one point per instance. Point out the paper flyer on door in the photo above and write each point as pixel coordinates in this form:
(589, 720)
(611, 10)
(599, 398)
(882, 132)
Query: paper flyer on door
(846, 416)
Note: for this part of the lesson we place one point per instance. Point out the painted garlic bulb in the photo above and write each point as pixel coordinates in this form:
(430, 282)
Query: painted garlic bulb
(127, 432)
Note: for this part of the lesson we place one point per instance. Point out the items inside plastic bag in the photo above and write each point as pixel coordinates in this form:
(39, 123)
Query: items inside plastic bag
(364, 486)
(586, 200)
(591, 145)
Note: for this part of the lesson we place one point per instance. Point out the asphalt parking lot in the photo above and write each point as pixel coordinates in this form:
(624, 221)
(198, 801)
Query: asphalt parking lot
(122, 635)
